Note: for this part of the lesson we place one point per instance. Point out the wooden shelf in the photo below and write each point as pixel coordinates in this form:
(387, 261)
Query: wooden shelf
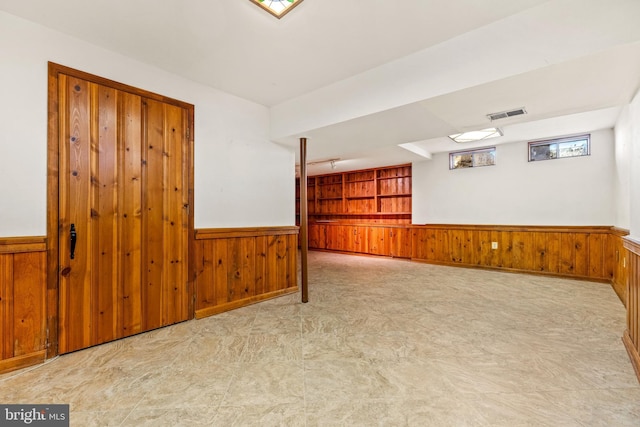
(359, 213)
(378, 195)
(393, 177)
(395, 195)
(360, 180)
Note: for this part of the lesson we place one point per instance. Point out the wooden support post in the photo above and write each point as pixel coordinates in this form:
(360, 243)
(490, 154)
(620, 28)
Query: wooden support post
(304, 221)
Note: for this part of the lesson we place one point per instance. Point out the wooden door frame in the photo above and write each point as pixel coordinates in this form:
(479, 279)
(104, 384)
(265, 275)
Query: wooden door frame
(53, 180)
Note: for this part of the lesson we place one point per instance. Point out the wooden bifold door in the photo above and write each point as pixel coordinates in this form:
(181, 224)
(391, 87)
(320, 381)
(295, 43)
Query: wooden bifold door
(124, 166)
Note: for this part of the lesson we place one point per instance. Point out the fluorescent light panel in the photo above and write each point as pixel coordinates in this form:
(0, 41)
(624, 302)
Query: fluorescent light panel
(476, 135)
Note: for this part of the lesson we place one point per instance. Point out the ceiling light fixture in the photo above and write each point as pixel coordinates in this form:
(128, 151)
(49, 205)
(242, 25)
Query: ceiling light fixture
(319, 162)
(476, 135)
(277, 8)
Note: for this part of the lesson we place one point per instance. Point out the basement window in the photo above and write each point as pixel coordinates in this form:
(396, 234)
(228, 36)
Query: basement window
(472, 158)
(572, 146)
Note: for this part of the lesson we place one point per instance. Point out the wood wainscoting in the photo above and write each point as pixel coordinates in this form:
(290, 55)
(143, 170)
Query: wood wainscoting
(235, 267)
(392, 240)
(585, 252)
(631, 336)
(589, 252)
(23, 315)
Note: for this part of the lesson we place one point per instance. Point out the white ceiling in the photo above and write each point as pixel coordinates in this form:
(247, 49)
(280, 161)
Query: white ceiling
(359, 77)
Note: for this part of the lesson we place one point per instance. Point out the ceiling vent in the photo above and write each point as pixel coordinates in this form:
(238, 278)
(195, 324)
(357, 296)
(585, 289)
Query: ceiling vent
(506, 114)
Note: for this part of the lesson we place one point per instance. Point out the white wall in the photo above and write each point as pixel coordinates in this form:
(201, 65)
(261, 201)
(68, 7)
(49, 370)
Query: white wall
(627, 133)
(622, 172)
(574, 191)
(241, 179)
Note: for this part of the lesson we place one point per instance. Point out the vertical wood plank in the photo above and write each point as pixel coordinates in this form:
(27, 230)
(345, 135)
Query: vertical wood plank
(377, 240)
(540, 261)
(567, 253)
(418, 243)
(518, 246)
(104, 214)
(595, 243)
(6, 305)
(313, 235)
(553, 252)
(132, 178)
(505, 247)
(456, 245)
(248, 266)
(203, 263)
(612, 254)
(221, 268)
(393, 242)
(261, 264)
(292, 261)
(435, 245)
(581, 254)
(29, 299)
(470, 248)
(633, 300)
(281, 262)
(56, 114)
(155, 182)
(485, 254)
(234, 253)
(175, 302)
(332, 237)
(271, 283)
(75, 283)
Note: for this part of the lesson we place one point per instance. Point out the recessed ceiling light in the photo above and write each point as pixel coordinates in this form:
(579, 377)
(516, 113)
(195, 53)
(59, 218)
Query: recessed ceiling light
(476, 135)
(277, 8)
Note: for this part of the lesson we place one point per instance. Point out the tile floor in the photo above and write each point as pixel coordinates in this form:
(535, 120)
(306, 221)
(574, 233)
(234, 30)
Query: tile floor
(381, 343)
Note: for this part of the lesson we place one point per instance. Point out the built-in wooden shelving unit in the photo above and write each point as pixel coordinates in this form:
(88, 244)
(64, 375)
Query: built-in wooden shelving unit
(371, 195)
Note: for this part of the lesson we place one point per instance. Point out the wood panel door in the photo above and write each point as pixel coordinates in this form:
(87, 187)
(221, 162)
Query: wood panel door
(123, 207)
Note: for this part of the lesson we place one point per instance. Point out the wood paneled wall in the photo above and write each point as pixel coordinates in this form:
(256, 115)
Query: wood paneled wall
(621, 258)
(591, 253)
(375, 239)
(631, 336)
(240, 266)
(22, 302)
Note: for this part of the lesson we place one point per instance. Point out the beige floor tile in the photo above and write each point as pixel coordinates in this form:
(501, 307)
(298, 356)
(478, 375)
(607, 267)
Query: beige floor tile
(263, 383)
(600, 407)
(381, 342)
(285, 414)
(98, 419)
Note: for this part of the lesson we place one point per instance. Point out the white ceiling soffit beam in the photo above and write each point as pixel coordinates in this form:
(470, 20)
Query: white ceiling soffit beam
(549, 34)
(591, 83)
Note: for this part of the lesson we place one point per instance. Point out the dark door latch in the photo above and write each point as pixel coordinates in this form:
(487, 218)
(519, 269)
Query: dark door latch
(73, 237)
